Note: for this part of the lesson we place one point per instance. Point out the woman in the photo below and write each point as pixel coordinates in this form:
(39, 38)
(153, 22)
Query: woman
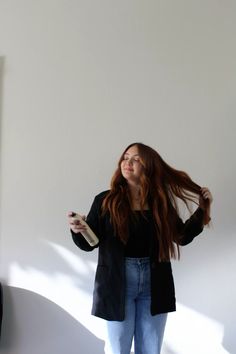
(139, 230)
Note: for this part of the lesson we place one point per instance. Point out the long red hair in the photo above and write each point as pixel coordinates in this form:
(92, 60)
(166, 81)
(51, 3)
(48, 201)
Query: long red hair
(161, 186)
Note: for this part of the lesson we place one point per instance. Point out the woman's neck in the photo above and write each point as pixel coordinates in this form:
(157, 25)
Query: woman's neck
(134, 191)
(136, 197)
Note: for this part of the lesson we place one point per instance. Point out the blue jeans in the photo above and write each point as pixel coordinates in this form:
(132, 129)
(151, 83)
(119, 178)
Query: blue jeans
(147, 330)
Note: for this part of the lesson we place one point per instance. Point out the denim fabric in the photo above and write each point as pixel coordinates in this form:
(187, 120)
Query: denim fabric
(146, 330)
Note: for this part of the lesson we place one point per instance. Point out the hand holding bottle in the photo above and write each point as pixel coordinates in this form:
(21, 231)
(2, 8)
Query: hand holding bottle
(78, 225)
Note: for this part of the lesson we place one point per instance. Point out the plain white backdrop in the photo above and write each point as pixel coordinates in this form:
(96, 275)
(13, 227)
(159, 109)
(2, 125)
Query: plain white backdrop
(80, 80)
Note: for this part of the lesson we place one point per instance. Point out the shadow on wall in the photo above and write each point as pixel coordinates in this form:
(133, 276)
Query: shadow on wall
(189, 331)
(68, 282)
(47, 328)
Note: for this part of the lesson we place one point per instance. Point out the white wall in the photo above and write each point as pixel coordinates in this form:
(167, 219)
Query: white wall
(80, 81)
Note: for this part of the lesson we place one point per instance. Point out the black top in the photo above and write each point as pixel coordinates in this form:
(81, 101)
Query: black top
(140, 232)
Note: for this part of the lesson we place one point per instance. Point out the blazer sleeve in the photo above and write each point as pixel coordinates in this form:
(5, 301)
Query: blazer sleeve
(191, 228)
(93, 220)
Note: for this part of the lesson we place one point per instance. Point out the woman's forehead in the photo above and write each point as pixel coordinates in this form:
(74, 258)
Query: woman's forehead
(133, 150)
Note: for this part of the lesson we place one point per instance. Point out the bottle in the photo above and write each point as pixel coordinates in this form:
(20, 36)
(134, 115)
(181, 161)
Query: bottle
(88, 234)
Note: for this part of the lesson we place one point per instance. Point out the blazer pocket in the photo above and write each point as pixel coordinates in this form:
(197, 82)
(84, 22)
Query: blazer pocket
(101, 279)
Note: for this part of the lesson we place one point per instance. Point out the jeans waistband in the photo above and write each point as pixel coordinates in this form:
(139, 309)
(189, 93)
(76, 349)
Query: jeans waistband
(133, 260)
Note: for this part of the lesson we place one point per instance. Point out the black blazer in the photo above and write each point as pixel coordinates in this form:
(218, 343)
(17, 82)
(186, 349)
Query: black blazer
(109, 287)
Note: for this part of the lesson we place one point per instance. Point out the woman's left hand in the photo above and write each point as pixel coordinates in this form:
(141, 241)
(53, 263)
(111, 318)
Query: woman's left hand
(205, 194)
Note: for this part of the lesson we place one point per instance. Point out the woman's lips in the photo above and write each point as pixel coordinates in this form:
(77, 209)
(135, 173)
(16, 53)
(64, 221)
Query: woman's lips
(128, 170)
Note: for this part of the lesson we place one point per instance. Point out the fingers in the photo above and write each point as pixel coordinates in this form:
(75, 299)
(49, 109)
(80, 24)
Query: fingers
(75, 225)
(206, 194)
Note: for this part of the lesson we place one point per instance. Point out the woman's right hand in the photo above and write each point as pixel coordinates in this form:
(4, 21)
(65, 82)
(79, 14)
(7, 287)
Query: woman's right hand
(75, 224)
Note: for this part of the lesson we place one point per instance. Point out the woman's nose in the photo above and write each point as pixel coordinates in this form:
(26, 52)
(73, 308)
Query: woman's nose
(129, 161)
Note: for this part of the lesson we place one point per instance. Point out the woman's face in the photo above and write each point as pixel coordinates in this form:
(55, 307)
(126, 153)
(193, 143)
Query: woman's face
(131, 167)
